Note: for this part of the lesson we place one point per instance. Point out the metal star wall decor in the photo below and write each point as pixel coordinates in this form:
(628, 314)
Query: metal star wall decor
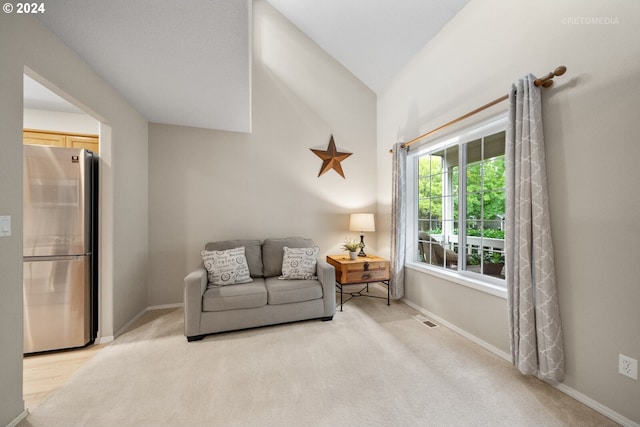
(331, 158)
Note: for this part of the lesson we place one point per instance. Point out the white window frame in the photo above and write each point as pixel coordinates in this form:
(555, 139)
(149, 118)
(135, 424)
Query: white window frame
(491, 285)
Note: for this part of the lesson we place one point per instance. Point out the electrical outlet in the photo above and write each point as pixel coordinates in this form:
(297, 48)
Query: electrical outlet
(628, 367)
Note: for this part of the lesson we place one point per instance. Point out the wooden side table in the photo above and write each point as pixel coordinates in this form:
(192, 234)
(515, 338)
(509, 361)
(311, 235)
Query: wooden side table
(362, 270)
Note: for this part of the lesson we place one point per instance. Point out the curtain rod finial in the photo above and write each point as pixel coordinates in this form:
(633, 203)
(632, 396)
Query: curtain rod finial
(547, 80)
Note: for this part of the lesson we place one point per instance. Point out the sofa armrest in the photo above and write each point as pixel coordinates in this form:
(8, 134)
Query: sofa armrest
(195, 283)
(327, 277)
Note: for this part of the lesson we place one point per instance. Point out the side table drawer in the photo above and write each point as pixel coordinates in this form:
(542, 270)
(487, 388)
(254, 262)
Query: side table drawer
(365, 276)
(365, 266)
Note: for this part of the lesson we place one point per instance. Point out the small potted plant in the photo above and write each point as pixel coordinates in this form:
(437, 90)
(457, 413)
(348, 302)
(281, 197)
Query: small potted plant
(493, 263)
(473, 259)
(351, 245)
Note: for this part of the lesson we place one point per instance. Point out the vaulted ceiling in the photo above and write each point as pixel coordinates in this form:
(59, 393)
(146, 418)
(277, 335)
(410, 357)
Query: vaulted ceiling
(188, 62)
(176, 62)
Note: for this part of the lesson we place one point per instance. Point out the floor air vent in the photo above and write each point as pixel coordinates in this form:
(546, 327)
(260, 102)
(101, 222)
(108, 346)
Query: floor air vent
(425, 321)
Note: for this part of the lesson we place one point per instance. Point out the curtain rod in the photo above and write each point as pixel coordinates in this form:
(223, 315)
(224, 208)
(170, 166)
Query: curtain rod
(545, 81)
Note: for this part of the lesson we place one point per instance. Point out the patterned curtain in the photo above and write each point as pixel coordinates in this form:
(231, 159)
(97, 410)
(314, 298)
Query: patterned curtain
(398, 220)
(536, 332)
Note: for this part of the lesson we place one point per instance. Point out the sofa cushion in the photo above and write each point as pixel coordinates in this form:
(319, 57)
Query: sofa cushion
(273, 251)
(288, 291)
(252, 250)
(299, 263)
(226, 267)
(246, 295)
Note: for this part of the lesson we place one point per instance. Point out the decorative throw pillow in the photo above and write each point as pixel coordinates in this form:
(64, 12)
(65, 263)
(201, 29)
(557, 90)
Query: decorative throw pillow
(299, 263)
(226, 267)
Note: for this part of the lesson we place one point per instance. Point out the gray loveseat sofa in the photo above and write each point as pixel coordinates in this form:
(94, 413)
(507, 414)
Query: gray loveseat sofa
(266, 300)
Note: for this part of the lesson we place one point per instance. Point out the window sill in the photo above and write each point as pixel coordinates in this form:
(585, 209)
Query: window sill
(460, 279)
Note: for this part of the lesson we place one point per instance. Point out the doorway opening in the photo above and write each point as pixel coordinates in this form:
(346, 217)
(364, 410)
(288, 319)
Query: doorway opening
(50, 120)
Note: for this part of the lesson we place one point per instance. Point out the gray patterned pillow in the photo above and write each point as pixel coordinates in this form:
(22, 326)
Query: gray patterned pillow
(299, 263)
(226, 267)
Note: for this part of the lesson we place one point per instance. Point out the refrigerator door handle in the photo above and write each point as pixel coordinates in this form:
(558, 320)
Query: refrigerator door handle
(53, 258)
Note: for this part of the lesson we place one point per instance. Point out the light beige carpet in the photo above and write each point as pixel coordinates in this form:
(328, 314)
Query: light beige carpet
(373, 365)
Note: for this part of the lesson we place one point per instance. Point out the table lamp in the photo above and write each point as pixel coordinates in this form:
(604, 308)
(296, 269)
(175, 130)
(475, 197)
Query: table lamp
(362, 222)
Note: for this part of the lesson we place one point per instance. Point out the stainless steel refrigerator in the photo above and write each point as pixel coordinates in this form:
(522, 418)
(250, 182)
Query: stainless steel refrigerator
(60, 248)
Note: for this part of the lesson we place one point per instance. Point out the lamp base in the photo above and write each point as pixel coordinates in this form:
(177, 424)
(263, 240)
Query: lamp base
(361, 253)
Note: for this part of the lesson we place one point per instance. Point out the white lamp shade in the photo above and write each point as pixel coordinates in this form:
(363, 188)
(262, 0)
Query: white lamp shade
(362, 222)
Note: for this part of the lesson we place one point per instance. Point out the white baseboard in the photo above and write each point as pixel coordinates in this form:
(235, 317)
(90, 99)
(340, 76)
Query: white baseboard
(130, 322)
(104, 340)
(163, 306)
(586, 400)
(19, 418)
(467, 335)
(143, 311)
(596, 406)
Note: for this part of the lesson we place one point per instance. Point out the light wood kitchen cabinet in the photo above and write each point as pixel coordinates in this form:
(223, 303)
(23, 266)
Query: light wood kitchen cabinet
(78, 141)
(40, 138)
(58, 139)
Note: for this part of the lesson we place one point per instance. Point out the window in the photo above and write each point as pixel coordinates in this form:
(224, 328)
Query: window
(458, 203)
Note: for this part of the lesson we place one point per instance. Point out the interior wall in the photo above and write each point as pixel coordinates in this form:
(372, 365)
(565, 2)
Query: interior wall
(25, 44)
(590, 118)
(210, 185)
(60, 121)
(11, 345)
